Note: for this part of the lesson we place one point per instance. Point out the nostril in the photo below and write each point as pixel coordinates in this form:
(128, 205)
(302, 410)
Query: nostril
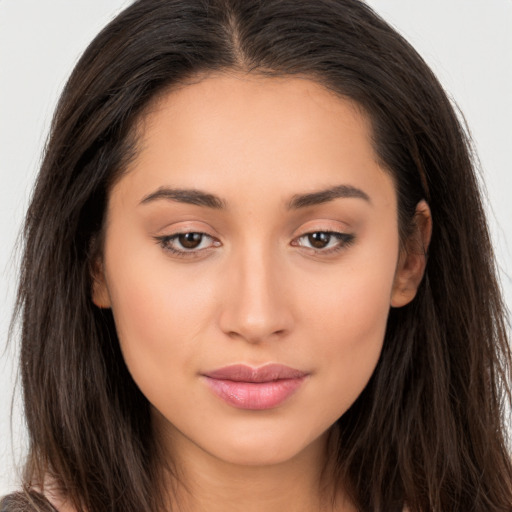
(256, 337)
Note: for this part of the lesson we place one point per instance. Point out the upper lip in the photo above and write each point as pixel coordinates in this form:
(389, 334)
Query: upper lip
(266, 373)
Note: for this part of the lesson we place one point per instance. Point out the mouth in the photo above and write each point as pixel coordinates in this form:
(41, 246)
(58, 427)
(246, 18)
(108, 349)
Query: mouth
(260, 388)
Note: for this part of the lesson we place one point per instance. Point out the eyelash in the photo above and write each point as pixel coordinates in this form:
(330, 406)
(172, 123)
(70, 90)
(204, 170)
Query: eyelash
(166, 242)
(344, 240)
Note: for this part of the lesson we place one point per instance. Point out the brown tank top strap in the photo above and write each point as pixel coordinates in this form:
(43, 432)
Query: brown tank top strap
(26, 502)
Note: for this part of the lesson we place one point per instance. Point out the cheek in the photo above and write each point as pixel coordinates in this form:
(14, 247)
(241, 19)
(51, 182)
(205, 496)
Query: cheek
(347, 318)
(159, 316)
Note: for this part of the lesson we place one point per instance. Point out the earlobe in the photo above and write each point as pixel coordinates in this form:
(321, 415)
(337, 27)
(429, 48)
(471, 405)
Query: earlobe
(413, 259)
(99, 292)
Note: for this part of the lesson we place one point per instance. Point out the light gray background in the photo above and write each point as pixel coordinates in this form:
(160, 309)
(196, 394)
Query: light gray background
(468, 43)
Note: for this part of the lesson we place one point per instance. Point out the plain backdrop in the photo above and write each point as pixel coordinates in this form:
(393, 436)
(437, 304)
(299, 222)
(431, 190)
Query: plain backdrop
(468, 43)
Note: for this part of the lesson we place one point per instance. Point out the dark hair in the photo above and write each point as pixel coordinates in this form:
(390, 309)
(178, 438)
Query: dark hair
(428, 430)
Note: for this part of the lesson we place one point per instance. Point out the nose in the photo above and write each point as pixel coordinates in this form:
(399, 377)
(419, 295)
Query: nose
(257, 305)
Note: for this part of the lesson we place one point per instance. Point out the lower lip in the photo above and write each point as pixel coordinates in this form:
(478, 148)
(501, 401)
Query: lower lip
(254, 395)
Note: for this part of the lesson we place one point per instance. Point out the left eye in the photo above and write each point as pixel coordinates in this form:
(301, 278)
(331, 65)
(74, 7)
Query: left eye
(324, 240)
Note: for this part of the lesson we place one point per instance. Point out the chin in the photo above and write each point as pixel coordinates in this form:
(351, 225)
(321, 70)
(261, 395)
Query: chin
(267, 447)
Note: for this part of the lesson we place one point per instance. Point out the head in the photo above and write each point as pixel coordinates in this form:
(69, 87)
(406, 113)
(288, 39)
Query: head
(173, 56)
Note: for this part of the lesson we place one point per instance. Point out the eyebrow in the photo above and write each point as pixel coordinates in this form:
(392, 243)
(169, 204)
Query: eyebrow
(186, 195)
(199, 198)
(324, 196)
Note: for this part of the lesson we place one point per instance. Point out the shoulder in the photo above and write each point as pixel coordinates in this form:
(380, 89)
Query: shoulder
(26, 502)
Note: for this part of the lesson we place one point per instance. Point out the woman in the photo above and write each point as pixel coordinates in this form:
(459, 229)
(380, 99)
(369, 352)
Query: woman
(226, 299)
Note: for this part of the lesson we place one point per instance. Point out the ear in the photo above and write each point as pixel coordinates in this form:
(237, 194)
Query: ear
(99, 293)
(413, 258)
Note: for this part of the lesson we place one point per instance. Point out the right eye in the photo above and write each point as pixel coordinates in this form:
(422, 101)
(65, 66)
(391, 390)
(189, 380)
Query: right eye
(187, 244)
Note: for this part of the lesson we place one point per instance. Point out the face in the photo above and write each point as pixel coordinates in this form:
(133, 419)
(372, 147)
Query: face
(251, 257)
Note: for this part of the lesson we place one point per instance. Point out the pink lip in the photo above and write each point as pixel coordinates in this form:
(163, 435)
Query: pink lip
(255, 388)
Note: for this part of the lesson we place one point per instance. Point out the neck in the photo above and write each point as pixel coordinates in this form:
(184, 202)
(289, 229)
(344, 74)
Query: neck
(207, 484)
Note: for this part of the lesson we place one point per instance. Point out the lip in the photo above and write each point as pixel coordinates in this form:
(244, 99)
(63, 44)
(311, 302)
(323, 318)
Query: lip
(260, 388)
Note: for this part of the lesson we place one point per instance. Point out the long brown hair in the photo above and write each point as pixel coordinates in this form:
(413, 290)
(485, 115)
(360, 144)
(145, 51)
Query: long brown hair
(428, 430)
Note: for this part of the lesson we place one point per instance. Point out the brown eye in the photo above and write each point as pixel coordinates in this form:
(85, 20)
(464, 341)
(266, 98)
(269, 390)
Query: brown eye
(319, 240)
(324, 242)
(190, 240)
(188, 245)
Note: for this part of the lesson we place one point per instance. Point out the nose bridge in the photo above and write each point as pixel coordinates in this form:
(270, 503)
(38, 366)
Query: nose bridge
(256, 307)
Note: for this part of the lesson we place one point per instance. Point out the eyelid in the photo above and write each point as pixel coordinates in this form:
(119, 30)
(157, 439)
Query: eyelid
(165, 241)
(339, 230)
(343, 241)
(324, 224)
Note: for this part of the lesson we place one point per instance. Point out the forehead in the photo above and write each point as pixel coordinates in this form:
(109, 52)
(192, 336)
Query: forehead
(225, 101)
(230, 133)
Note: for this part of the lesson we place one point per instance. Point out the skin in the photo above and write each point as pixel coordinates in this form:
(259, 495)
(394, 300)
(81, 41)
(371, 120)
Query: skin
(254, 291)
